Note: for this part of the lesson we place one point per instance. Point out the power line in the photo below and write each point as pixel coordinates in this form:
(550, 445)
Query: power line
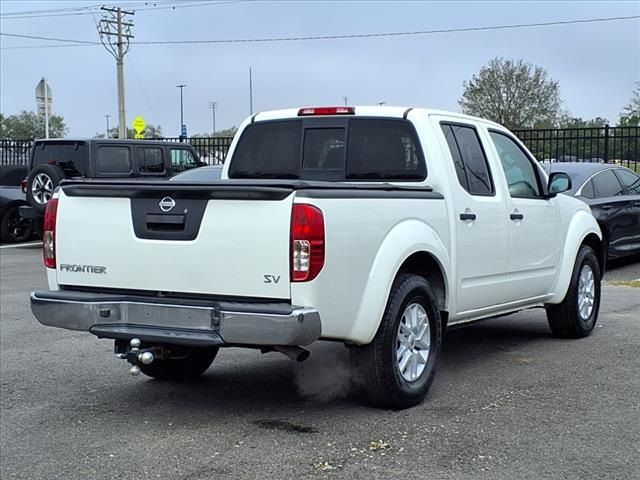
(51, 39)
(351, 36)
(88, 10)
(144, 92)
(389, 34)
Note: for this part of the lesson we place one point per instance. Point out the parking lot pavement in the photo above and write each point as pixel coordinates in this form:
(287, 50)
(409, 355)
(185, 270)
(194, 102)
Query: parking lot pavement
(509, 401)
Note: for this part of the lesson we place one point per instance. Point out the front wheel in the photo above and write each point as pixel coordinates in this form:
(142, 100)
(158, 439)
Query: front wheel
(397, 368)
(185, 368)
(576, 315)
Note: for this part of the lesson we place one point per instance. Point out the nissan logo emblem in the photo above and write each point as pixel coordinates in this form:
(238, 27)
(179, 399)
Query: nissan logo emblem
(167, 204)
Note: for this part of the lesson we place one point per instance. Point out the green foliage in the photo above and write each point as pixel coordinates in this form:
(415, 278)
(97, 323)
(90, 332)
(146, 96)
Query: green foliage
(29, 125)
(229, 132)
(630, 116)
(150, 132)
(513, 93)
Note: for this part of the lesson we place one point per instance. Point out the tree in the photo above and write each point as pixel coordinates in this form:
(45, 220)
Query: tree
(150, 132)
(567, 121)
(513, 93)
(29, 125)
(630, 116)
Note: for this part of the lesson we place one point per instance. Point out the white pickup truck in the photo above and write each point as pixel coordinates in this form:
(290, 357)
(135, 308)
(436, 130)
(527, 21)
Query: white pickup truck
(374, 226)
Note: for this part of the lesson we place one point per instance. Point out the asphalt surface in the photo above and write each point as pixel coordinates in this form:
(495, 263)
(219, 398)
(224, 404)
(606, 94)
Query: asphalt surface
(509, 401)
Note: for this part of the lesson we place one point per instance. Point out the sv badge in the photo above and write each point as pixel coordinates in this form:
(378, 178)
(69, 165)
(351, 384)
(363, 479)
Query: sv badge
(271, 278)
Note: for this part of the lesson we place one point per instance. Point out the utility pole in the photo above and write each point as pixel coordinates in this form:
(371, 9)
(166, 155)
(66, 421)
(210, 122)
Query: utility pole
(46, 109)
(213, 106)
(346, 99)
(107, 117)
(250, 93)
(182, 125)
(115, 36)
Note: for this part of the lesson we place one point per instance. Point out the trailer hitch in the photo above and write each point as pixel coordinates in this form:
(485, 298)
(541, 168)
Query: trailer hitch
(135, 355)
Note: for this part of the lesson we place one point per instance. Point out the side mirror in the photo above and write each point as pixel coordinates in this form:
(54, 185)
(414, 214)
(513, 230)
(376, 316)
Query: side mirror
(558, 182)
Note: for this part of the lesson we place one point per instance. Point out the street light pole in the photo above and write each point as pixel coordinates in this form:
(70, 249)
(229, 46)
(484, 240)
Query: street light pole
(346, 99)
(181, 110)
(213, 106)
(107, 117)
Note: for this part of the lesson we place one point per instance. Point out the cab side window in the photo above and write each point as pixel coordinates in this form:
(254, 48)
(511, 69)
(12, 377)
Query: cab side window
(522, 176)
(181, 160)
(469, 159)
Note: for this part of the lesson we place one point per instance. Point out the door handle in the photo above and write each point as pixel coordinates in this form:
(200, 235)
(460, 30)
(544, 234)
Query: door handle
(467, 216)
(516, 216)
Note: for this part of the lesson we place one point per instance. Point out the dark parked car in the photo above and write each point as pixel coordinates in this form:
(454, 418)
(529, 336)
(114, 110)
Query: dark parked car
(613, 193)
(13, 228)
(55, 160)
(202, 174)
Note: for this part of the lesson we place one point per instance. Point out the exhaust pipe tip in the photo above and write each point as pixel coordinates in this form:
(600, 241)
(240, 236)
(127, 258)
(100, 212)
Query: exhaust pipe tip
(297, 354)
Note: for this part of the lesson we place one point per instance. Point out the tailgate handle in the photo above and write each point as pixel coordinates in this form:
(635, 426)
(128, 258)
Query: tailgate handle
(165, 222)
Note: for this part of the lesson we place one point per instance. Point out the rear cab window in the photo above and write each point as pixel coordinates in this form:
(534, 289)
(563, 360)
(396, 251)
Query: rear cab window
(331, 148)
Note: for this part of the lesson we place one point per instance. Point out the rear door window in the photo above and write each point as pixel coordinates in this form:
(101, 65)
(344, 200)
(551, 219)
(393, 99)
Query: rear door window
(113, 160)
(150, 160)
(606, 184)
(630, 181)
(469, 159)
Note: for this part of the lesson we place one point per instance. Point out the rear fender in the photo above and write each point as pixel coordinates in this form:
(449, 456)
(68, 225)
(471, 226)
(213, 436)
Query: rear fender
(582, 224)
(402, 241)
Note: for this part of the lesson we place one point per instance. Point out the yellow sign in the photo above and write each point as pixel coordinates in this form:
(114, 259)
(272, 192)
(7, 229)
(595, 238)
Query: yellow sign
(139, 125)
(139, 136)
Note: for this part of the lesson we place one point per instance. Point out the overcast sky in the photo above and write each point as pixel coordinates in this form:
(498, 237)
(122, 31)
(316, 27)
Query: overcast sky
(596, 63)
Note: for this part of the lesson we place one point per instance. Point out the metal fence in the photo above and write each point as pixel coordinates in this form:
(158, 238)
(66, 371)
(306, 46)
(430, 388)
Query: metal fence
(620, 145)
(211, 150)
(15, 152)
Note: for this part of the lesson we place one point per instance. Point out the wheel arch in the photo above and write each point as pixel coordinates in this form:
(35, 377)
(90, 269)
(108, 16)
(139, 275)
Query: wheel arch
(410, 247)
(583, 230)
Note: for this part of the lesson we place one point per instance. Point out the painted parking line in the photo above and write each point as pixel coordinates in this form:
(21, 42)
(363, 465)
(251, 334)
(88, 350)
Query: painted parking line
(18, 245)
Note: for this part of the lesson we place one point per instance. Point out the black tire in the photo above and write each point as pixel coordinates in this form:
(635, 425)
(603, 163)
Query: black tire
(37, 195)
(376, 366)
(13, 228)
(185, 369)
(565, 318)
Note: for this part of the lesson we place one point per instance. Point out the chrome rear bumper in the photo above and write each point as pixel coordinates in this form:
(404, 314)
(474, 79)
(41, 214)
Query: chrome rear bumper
(177, 321)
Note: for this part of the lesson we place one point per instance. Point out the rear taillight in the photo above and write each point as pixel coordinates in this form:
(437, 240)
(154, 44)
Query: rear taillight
(23, 186)
(311, 111)
(49, 236)
(307, 242)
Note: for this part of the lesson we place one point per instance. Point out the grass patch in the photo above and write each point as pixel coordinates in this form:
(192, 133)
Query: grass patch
(627, 283)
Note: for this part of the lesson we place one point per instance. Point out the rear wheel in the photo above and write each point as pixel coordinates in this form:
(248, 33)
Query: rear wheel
(184, 368)
(397, 368)
(576, 315)
(42, 181)
(14, 228)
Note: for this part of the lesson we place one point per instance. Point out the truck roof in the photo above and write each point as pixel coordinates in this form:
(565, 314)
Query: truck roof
(372, 111)
(111, 140)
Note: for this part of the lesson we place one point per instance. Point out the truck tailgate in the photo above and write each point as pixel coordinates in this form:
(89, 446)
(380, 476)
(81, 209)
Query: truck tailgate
(159, 236)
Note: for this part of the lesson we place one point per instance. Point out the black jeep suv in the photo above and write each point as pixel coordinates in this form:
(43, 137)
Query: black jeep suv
(55, 160)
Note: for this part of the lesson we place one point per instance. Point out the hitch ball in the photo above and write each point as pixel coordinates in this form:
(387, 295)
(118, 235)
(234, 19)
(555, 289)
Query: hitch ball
(135, 370)
(145, 358)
